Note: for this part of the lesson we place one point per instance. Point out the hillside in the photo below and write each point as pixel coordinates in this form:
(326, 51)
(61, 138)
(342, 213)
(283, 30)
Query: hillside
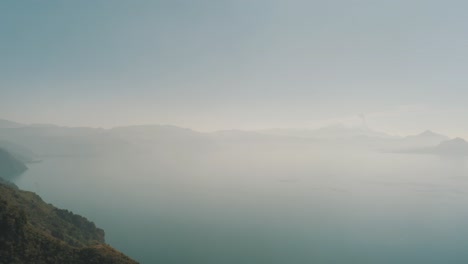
(9, 165)
(21, 153)
(32, 231)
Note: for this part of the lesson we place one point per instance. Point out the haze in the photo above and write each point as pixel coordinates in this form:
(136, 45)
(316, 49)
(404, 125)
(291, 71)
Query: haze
(213, 65)
(251, 132)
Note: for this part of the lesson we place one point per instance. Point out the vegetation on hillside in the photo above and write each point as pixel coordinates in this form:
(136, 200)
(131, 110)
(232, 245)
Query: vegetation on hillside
(32, 231)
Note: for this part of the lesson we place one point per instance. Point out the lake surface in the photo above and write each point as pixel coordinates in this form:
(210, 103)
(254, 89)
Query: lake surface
(267, 206)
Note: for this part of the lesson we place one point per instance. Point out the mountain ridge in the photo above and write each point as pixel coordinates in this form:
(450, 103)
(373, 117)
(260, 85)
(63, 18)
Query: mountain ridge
(452, 147)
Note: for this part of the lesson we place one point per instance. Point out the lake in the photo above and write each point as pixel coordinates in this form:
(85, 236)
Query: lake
(267, 205)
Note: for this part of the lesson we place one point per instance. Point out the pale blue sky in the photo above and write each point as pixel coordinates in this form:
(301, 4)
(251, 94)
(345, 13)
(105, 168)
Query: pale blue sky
(235, 64)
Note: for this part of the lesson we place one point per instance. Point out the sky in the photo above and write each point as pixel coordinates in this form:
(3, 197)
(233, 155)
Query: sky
(217, 64)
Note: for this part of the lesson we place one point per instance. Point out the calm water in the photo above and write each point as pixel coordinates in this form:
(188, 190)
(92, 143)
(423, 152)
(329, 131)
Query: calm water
(252, 206)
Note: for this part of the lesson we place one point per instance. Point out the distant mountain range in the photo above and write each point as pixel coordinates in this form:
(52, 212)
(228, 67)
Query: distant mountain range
(456, 146)
(428, 134)
(9, 124)
(38, 141)
(452, 147)
(336, 131)
(425, 139)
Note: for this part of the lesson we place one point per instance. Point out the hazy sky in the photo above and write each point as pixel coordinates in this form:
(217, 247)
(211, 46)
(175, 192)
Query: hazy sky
(236, 64)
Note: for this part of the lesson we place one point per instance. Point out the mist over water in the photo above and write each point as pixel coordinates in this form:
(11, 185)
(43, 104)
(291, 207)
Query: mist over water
(326, 163)
(266, 201)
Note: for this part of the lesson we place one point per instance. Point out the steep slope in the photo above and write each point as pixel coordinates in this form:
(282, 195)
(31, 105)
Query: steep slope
(9, 165)
(32, 231)
(19, 152)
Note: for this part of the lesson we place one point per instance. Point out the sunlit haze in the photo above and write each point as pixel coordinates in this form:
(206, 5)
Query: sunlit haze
(212, 65)
(233, 132)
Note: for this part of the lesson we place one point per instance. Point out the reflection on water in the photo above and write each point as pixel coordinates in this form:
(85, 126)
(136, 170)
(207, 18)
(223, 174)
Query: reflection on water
(268, 207)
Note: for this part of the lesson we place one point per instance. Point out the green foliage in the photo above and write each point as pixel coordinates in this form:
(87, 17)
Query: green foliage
(32, 231)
